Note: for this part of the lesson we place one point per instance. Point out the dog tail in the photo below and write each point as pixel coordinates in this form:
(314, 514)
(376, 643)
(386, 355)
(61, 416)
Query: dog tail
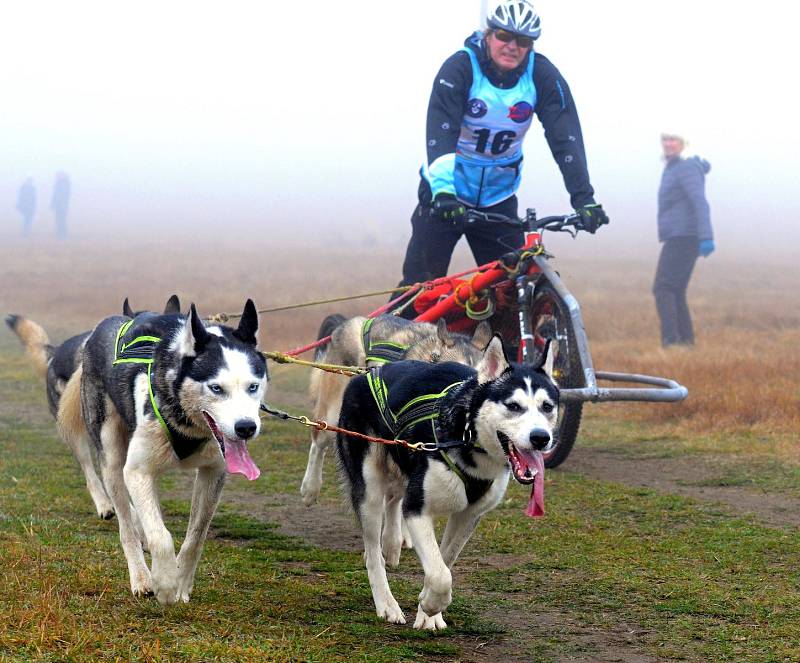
(69, 418)
(34, 338)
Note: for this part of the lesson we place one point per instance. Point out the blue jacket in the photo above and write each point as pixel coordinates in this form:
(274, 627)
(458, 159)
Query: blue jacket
(682, 205)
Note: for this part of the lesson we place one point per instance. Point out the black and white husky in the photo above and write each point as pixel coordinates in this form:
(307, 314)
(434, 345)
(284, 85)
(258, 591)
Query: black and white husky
(60, 366)
(164, 392)
(481, 425)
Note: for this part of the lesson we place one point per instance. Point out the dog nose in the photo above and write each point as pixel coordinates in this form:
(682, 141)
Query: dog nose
(539, 438)
(245, 428)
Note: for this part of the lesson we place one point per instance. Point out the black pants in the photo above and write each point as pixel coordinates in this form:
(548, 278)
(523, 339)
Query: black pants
(433, 240)
(675, 265)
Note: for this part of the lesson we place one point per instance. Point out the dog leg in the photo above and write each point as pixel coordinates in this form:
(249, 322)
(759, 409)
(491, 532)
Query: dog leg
(436, 591)
(111, 467)
(140, 480)
(205, 498)
(392, 537)
(371, 516)
(102, 502)
(407, 542)
(312, 480)
(460, 527)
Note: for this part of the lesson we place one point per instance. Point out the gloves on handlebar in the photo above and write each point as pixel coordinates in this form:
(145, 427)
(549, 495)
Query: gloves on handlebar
(592, 217)
(446, 207)
(706, 247)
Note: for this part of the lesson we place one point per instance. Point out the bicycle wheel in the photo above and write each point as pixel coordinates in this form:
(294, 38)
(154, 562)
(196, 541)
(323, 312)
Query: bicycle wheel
(550, 320)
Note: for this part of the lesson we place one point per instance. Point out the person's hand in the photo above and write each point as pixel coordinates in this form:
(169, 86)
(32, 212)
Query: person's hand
(447, 207)
(592, 217)
(706, 247)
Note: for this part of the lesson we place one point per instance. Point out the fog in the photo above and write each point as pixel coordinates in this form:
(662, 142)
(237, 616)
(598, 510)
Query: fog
(307, 119)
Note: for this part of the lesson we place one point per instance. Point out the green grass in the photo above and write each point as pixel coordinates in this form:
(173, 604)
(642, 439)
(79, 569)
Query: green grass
(688, 579)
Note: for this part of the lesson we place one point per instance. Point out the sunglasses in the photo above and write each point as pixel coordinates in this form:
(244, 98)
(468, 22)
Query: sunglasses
(507, 37)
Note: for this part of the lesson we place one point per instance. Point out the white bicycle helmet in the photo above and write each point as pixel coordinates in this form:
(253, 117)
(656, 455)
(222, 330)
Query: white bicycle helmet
(517, 16)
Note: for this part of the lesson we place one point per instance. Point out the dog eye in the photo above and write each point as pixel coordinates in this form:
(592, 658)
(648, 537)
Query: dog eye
(253, 388)
(547, 407)
(514, 407)
(215, 388)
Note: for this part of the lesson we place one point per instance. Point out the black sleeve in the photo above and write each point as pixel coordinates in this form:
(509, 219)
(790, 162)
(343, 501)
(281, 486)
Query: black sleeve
(446, 109)
(562, 130)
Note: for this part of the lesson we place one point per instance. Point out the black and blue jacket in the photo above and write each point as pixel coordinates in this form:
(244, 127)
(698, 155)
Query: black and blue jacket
(476, 124)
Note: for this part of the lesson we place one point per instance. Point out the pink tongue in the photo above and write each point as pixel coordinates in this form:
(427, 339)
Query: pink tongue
(238, 461)
(536, 502)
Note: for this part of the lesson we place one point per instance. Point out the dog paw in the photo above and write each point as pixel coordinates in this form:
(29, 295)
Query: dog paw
(142, 585)
(425, 622)
(392, 555)
(185, 588)
(309, 490)
(407, 542)
(391, 612)
(166, 595)
(105, 513)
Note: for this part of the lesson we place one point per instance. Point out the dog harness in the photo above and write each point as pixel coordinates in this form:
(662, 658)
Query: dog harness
(380, 352)
(141, 350)
(418, 409)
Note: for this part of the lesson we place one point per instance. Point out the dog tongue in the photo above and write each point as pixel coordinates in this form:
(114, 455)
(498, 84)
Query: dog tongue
(238, 461)
(536, 502)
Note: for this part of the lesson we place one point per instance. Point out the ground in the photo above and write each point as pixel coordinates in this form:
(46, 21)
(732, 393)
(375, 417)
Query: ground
(670, 533)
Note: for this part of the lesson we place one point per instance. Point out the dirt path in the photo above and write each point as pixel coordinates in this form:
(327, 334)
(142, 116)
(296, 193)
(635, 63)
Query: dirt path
(681, 476)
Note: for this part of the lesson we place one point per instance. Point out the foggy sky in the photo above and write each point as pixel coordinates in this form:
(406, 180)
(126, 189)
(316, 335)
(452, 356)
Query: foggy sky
(292, 116)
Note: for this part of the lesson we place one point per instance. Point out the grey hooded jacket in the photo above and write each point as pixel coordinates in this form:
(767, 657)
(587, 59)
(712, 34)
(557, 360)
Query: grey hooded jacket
(682, 205)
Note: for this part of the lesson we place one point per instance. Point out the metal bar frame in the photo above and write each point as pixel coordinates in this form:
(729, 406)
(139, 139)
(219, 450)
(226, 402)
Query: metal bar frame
(664, 391)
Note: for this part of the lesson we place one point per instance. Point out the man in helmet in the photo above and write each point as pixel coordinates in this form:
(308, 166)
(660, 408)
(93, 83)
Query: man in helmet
(482, 104)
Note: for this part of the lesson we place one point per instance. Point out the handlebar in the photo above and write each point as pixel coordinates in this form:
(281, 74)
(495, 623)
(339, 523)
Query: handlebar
(563, 223)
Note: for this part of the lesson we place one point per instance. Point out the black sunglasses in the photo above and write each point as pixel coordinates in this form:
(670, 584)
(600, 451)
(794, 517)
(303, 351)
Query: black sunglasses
(507, 37)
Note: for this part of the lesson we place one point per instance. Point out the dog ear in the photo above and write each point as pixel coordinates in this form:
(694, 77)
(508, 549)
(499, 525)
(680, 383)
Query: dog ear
(194, 337)
(482, 335)
(441, 330)
(494, 362)
(248, 325)
(173, 305)
(127, 310)
(549, 357)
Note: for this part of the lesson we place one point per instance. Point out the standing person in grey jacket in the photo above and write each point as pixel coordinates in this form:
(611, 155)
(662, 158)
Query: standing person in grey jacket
(684, 228)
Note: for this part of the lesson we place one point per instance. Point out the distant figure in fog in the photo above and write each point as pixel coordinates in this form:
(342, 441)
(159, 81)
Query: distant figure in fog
(59, 203)
(684, 228)
(26, 204)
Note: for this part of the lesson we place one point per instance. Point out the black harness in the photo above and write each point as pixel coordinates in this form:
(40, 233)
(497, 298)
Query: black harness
(380, 352)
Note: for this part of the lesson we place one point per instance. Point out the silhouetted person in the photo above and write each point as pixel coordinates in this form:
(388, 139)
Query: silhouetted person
(59, 203)
(26, 204)
(684, 227)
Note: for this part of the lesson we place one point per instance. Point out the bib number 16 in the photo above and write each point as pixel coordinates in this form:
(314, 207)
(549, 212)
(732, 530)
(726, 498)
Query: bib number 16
(500, 143)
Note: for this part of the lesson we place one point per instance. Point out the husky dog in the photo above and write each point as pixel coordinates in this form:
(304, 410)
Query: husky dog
(479, 424)
(60, 367)
(362, 342)
(161, 393)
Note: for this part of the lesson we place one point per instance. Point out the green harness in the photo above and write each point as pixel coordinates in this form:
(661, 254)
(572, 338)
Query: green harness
(141, 350)
(418, 409)
(380, 352)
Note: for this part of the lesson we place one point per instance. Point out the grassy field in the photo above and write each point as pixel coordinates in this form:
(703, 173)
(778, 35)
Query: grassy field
(615, 571)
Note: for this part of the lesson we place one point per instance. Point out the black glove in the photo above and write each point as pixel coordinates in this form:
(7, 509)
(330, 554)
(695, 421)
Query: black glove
(592, 217)
(447, 207)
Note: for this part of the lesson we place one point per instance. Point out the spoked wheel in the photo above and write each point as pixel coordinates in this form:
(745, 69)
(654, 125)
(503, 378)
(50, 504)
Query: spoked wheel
(549, 319)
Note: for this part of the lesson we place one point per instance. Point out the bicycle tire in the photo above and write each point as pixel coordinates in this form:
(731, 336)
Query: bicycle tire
(549, 319)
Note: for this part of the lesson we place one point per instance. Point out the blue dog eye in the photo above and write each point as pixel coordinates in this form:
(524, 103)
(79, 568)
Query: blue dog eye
(215, 388)
(254, 388)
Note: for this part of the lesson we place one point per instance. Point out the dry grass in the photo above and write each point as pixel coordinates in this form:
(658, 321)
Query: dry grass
(744, 373)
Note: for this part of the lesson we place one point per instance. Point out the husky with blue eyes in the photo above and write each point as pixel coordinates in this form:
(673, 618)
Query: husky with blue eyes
(166, 392)
(479, 426)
